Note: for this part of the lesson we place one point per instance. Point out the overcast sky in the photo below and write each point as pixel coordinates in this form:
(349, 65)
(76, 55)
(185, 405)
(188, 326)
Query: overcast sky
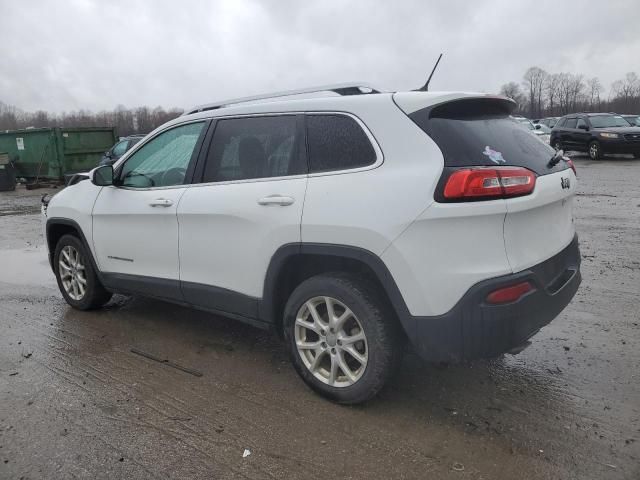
(86, 54)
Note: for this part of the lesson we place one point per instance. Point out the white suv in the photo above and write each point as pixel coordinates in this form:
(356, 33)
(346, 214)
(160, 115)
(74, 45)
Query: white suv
(350, 220)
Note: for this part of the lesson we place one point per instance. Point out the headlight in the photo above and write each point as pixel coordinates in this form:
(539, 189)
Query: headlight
(609, 135)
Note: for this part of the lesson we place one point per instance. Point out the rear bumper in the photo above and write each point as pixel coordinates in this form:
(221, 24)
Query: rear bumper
(474, 329)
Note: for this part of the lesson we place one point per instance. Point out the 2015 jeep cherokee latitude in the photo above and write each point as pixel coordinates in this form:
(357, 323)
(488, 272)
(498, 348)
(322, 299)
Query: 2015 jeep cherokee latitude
(352, 221)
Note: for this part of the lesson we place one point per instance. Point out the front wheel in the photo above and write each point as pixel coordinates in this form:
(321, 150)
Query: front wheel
(343, 341)
(557, 145)
(77, 279)
(595, 151)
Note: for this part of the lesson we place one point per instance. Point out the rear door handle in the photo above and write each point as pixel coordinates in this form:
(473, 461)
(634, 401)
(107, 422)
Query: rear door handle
(161, 202)
(276, 200)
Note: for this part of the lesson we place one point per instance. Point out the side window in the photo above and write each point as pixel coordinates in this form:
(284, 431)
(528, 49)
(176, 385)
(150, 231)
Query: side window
(337, 142)
(119, 148)
(581, 123)
(163, 161)
(254, 147)
(570, 123)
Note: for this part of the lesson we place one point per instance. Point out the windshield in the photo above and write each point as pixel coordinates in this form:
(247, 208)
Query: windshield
(606, 121)
(633, 120)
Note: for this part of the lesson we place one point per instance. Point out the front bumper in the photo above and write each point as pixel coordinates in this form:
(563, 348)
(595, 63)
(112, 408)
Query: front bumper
(619, 146)
(474, 329)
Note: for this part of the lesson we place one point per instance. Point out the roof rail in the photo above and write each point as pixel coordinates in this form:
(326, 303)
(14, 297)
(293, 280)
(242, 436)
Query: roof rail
(355, 88)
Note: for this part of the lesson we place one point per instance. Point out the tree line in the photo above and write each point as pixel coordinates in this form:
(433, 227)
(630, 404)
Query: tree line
(127, 121)
(540, 94)
(544, 94)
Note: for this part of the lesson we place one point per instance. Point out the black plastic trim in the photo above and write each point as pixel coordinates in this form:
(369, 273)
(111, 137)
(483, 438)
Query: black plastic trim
(71, 223)
(220, 299)
(162, 288)
(474, 329)
(374, 262)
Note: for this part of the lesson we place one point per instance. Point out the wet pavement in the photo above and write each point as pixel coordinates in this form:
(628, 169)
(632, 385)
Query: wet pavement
(76, 402)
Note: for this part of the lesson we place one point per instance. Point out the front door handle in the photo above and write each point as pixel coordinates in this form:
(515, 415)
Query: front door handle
(161, 202)
(276, 200)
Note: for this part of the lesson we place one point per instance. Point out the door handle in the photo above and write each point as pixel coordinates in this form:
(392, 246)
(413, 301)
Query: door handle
(161, 202)
(276, 200)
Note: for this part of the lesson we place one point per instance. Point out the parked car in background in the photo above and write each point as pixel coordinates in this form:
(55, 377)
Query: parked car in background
(342, 220)
(597, 134)
(634, 120)
(540, 131)
(549, 121)
(123, 146)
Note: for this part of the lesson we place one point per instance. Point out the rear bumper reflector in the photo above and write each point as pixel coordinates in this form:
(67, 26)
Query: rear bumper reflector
(509, 294)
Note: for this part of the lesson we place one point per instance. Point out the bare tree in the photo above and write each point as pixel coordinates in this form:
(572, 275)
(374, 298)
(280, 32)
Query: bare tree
(534, 80)
(513, 91)
(594, 88)
(551, 87)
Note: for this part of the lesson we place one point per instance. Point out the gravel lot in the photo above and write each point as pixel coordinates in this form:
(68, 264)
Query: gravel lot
(75, 402)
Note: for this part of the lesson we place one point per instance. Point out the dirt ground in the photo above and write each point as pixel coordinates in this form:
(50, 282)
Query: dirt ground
(76, 402)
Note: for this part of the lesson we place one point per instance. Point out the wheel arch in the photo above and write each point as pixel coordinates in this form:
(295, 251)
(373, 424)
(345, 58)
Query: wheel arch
(56, 228)
(294, 263)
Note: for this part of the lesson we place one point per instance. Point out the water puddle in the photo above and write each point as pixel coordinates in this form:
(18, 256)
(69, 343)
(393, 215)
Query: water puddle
(26, 267)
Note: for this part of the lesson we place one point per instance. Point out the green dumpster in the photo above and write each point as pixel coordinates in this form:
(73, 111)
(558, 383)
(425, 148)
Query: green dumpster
(50, 153)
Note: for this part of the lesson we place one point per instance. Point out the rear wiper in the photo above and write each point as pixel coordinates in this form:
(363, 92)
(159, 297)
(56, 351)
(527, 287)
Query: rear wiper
(555, 159)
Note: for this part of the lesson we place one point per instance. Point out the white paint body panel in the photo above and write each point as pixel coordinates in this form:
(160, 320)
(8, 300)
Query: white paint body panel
(75, 203)
(541, 224)
(227, 239)
(126, 226)
(218, 234)
(370, 208)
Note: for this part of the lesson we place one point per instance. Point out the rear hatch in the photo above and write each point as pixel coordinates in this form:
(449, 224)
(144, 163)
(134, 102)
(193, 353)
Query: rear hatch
(478, 134)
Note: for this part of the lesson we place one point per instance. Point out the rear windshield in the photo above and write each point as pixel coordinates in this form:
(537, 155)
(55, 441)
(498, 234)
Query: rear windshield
(480, 132)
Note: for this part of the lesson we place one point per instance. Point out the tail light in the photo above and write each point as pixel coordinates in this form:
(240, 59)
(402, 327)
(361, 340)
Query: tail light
(489, 183)
(509, 294)
(571, 164)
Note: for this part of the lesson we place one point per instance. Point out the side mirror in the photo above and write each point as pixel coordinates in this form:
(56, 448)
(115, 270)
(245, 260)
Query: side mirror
(102, 176)
(538, 126)
(583, 127)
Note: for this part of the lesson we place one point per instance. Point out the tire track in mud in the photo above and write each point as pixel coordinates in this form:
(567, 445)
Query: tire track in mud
(160, 401)
(105, 379)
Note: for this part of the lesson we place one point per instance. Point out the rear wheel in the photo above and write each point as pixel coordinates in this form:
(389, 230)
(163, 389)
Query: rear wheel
(595, 151)
(77, 279)
(343, 341)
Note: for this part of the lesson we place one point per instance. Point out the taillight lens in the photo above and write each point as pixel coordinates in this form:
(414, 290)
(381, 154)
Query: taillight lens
(571, 164)
(489, 182)
(509, 294)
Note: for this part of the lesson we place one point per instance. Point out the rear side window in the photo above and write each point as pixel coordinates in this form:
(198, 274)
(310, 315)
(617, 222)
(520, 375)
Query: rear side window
(480, 132)
(337, 142)
(255, 147)
(570, 123)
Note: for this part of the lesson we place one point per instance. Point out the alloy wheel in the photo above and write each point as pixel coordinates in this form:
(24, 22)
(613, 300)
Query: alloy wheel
(72, 272)
(593, 151)
(331, 341)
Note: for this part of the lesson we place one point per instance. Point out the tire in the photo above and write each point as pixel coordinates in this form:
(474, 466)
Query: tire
(85, 296)
(636, 155)
(595, 151)
(557, 145)
(381, 347)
